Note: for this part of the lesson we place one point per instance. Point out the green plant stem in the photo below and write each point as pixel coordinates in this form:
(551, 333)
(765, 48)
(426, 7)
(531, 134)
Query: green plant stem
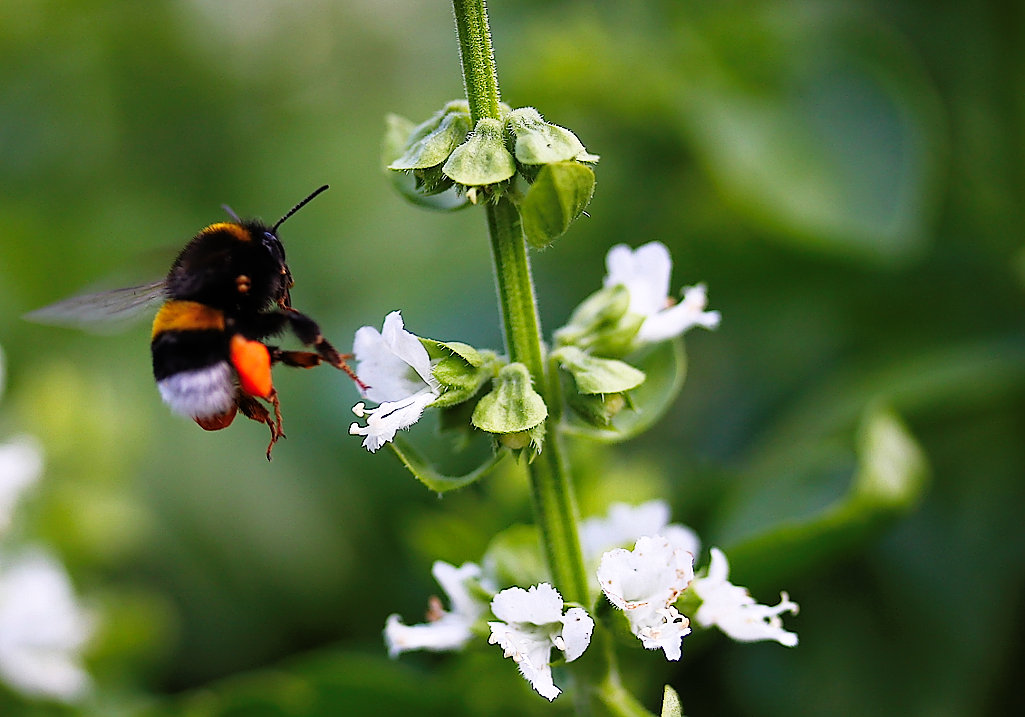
(551, 480)
(554, 500)
(480, 77)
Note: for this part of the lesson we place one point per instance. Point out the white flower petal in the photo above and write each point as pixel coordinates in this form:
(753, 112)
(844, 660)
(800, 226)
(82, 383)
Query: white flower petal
(625, 523)
(531, 624)
(678, 319)
(665, 632)
(539, 605)
(21, 463)
(644, 272)
(393, 363)
(450, 632)
(732, 609)
(42, 629)
(644, 583)
(654, 573)
(454, 581)
(577, 627)
(389, 418)
(530, 648)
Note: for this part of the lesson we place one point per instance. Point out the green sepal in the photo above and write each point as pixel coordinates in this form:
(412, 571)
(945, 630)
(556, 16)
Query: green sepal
(596, 375)
(671, 706)
(512, 406)
(599, 409)
(430, 143)
(665, 369)
(559, 194)
(538, 142)
(602, 323)
(425, 188)
(483, 158)
(424, 472)
(460, 369)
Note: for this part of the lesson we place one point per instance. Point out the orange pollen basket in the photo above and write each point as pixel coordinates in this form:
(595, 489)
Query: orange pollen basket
(251, 360)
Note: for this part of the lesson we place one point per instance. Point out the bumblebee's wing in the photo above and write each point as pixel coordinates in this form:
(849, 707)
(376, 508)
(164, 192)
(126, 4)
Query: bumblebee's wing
(102, 310)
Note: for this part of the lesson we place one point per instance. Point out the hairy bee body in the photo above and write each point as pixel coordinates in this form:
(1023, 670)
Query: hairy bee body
(226, 293)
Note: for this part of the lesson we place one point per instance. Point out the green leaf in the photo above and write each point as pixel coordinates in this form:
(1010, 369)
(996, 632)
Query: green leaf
(558, 196)
(412, 185)
(671, 706)
(432, 478)
(483, 158)
(665, 369)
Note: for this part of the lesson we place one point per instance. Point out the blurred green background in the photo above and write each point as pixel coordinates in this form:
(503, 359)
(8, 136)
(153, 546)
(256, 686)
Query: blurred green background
(847, 177)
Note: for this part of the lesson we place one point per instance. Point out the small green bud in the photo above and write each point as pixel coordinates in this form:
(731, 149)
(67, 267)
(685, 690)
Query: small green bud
(430, 143)
(594, 375)
(483, 158)
(538, 142)
(512, 406)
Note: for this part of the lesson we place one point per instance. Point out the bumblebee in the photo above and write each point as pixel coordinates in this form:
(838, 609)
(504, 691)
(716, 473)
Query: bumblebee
(226, 293)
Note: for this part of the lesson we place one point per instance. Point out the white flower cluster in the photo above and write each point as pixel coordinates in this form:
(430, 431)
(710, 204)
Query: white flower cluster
(42, 627)
(397, 370)
(644, 582)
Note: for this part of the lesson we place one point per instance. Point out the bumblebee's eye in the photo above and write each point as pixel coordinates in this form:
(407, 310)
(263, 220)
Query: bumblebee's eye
(273, 245)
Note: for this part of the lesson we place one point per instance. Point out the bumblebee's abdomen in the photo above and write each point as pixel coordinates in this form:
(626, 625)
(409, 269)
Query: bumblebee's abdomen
(190, 360)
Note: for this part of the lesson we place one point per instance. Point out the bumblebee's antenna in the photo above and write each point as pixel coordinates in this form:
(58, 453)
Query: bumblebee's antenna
(297, 207)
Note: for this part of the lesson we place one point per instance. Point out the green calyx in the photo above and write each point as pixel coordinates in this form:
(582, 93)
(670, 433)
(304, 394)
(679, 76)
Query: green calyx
(512, 406)
(602, 324)
(460, 369)
(483, 158)
(538, 142)
(452, 162)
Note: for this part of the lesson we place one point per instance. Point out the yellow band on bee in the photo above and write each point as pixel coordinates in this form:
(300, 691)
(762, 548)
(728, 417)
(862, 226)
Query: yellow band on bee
(230, 227)
(187, 316)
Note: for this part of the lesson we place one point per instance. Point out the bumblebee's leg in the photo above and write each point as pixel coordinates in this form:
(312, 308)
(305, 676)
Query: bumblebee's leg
(254, 410)
(308, 332)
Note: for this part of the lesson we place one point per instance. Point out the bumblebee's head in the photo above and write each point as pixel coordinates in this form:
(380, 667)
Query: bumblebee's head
(276, 250)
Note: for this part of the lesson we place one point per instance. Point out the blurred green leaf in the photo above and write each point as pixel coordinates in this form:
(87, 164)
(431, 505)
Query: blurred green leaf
(514, 557)
(889, 480)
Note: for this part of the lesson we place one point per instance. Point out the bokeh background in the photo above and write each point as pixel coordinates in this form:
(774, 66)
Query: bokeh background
(847, 177)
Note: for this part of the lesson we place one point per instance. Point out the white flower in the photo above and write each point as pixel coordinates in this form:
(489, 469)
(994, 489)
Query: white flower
(531, 623)
(42, 629)
(625, 523)
(397, 371)
(445, 630)
(21, 462)
(644, 583)
(645, 273)
(735, 612)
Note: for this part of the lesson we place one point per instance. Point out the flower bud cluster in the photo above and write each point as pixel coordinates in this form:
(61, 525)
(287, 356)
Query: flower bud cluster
(481, 162)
